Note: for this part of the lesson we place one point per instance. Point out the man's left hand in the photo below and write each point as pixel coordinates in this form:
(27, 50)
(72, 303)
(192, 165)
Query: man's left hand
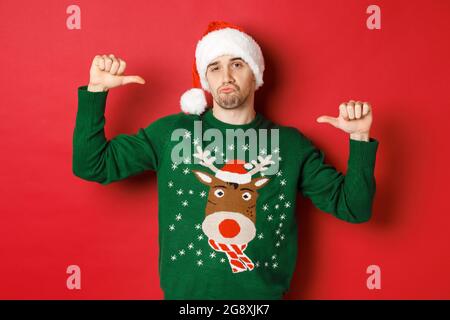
(355, 117)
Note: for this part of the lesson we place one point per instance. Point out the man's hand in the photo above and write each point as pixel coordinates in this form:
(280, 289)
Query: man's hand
(354, 118)
(107, 72)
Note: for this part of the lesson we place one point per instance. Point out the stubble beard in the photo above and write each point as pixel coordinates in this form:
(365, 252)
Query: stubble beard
(230, 100)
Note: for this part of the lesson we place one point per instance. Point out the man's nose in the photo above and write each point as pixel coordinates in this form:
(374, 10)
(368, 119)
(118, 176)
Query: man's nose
(227, 76)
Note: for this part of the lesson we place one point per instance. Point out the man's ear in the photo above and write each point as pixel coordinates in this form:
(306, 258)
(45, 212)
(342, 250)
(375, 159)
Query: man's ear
(203, 177)
(260, 182)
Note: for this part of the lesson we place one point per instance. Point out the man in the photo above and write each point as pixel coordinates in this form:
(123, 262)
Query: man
(227, 176)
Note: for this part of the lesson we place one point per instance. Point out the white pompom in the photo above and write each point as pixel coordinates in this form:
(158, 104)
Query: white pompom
(193, 101)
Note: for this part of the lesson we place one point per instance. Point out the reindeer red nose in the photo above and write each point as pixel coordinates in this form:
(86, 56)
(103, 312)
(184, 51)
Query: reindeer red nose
(229, 228)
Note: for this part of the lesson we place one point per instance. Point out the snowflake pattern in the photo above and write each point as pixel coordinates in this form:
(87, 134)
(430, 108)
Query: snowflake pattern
(272, 211)
(187, 134)
(195, 141)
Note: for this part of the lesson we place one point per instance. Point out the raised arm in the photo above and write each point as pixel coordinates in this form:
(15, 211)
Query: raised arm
(349, 197)
(94, 157)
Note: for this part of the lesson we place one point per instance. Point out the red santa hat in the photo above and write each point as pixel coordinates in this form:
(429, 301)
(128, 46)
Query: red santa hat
(221, 38)
(235, 171)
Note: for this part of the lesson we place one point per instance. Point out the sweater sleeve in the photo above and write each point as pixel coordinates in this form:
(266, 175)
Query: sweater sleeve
(104, 161)
(348, 197)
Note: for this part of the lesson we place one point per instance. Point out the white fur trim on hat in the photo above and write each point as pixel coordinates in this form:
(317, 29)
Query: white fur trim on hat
(193, 101)
(229, 41)
(227, 176)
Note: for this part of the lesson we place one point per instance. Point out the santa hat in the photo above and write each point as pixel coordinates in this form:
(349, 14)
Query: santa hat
(235, 171)
(221, 38)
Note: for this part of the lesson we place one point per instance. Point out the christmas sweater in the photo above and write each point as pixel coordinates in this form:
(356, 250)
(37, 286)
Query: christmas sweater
(226, 194)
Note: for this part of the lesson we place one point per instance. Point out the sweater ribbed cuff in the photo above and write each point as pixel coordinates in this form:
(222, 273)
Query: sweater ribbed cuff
(91, 105)
(363, 153)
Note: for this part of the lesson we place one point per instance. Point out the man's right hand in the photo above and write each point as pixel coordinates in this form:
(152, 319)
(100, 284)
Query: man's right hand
(107, 72)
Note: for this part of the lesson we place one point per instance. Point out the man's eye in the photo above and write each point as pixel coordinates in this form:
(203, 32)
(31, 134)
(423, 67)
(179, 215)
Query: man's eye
(214, 69)
(237, 64)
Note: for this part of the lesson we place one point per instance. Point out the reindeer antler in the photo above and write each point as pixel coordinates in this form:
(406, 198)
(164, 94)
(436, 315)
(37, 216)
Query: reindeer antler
(205, 159)
(261, 166)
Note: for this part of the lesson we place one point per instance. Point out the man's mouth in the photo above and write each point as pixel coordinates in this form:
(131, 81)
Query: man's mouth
(227, 90)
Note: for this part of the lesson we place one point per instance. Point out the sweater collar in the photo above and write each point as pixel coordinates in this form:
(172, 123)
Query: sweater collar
(214, 122)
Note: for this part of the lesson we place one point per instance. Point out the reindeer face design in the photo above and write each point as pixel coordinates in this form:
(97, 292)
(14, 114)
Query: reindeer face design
(230, 213)
(230, 210)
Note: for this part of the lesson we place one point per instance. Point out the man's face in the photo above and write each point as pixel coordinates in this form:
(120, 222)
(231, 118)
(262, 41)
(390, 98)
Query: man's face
(230, 80)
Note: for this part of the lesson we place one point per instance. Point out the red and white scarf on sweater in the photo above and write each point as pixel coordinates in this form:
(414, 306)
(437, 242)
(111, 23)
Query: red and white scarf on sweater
(236, 257)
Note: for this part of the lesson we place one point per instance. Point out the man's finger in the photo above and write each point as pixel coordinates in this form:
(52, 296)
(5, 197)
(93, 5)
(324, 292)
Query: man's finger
(121, 67)
(327, 119)
(132, 79)
(351, 110)
(366, 108)
(343, 111)
(108, 62)
(358, 109)
(115, 66)
(99, 62)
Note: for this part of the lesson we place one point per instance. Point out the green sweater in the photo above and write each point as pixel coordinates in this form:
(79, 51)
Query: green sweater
(224, 232)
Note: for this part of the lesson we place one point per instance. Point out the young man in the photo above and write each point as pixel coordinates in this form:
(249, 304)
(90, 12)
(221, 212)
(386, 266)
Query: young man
(227, 176)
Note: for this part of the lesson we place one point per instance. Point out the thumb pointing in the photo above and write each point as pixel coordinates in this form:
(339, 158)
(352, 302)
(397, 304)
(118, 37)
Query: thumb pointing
(132, 79)
(326, 119)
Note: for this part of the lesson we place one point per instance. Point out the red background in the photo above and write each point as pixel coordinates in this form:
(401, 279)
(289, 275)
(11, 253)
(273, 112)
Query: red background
(318, 54)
